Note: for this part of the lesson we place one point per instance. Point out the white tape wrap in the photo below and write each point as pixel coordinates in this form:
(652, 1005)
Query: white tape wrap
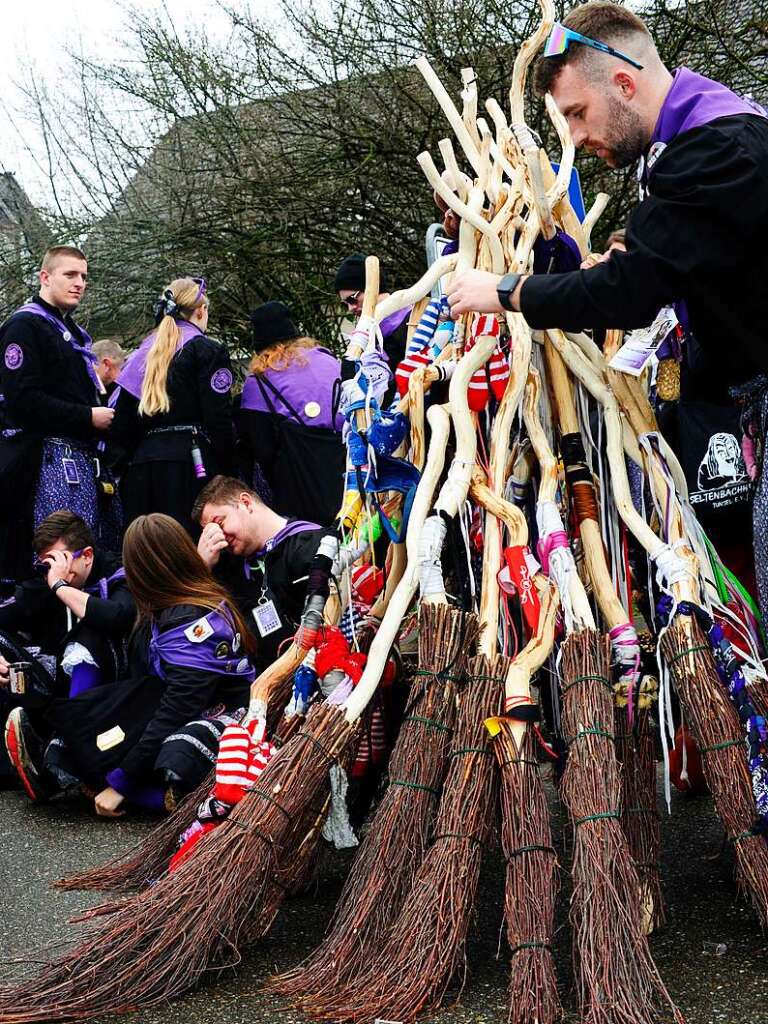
(431, 542)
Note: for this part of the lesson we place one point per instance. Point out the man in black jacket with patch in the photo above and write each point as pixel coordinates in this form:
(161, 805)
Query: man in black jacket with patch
(51, 417)
(697, 236)
(263, 559)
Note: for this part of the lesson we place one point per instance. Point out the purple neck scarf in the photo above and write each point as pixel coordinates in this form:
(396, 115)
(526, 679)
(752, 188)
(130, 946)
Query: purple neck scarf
(82, 350)
(692, 101)
(102, 585)
(290, 529)
(390, 323)
(132, 376)
(208, 644)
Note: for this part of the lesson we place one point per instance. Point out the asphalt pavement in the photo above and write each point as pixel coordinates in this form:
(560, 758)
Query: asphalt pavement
(39, 844)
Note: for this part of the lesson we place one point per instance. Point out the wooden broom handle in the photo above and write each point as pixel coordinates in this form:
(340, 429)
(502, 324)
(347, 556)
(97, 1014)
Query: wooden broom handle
(535, 652)
(548, 487)
(612, 609)
(386, 634)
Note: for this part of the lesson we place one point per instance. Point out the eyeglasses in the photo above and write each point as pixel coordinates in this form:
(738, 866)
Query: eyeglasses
(41, 566)
(560, 38)
(202, 285)
(351, 300)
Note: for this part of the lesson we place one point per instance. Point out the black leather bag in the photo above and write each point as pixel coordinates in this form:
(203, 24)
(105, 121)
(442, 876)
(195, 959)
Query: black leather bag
(307, 473)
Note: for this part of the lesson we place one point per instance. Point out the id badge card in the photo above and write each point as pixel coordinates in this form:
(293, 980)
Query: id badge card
(641, 345)
(70, 471)
(266, 618)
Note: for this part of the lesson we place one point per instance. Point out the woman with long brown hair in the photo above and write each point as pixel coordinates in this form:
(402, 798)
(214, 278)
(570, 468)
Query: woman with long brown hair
(173, 415)
(189, 677)
(289, 425)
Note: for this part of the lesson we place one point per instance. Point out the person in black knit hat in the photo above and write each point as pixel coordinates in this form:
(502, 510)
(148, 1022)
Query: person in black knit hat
(350, 286)
(288, 423)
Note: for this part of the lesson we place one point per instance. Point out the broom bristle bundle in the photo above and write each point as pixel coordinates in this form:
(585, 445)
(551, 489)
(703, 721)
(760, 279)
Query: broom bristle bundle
(532, 882)
(142, 864)
(617, 978)
(392, 850)
(432, 926)
(161, 941)
(639, 814)
(718, 733)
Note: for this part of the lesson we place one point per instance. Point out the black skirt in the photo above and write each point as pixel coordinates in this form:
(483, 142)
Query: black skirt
(161, 478)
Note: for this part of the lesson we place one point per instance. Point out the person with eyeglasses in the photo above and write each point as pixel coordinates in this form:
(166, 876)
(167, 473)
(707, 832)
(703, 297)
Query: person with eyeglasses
(173, 414)
(349, 284)
(75, 616)
(697, 237)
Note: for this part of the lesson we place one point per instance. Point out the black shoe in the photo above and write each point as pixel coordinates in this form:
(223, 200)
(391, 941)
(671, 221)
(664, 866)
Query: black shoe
(25, 751)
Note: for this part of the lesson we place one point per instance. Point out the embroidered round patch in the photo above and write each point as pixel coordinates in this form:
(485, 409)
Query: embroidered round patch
(14, 357)
(312, 409)
(221, 381)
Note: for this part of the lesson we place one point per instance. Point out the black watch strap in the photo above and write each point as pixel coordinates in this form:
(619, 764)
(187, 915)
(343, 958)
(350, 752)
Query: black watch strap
(506, 288)
(58, 585)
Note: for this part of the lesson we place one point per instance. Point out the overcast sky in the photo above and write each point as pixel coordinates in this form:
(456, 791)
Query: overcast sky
(37, 32)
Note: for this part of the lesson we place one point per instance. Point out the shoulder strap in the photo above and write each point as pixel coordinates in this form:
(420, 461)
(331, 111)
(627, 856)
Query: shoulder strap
(262, 381)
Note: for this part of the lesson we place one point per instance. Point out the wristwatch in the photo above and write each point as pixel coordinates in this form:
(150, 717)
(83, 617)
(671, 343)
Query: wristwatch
(58, 585)
(505, 289)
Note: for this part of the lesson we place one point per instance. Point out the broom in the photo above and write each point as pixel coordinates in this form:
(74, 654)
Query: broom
(393, 848)
(531, 873)
(634, 746)
(688, 655)
(138, 956)
(425, 946)
(383, 869)
(144, 863)
(432, 927)
(618, 980)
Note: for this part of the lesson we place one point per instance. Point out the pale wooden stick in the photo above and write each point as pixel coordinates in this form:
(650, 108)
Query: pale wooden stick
(467, 143)
(548, 490)
(535, 652)
(469, 100)
(593, 214)
(612, 609)
(459, 182)
(525, 56)
(464, 210)
(387, 632)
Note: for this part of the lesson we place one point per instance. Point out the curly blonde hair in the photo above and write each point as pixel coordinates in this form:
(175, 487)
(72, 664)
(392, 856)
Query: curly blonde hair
(282, 355)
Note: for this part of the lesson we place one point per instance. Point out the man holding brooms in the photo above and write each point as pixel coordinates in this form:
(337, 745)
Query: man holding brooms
(697, 235)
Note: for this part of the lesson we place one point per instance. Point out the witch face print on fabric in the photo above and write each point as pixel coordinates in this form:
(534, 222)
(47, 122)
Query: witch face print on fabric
(221, 381)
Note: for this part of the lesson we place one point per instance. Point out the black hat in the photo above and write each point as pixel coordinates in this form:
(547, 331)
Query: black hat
(351, 274)
(270, 324)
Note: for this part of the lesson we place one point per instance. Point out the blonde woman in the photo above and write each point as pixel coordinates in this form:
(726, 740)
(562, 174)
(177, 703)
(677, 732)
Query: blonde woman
(174, 411)
(288, 424)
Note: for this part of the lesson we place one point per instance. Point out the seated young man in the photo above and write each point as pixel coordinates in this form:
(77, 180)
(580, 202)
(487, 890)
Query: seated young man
(76, 615)
(187, 677)
(261, 557)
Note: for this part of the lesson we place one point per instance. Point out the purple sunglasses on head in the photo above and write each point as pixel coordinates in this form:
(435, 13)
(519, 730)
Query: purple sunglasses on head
(202, 286)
